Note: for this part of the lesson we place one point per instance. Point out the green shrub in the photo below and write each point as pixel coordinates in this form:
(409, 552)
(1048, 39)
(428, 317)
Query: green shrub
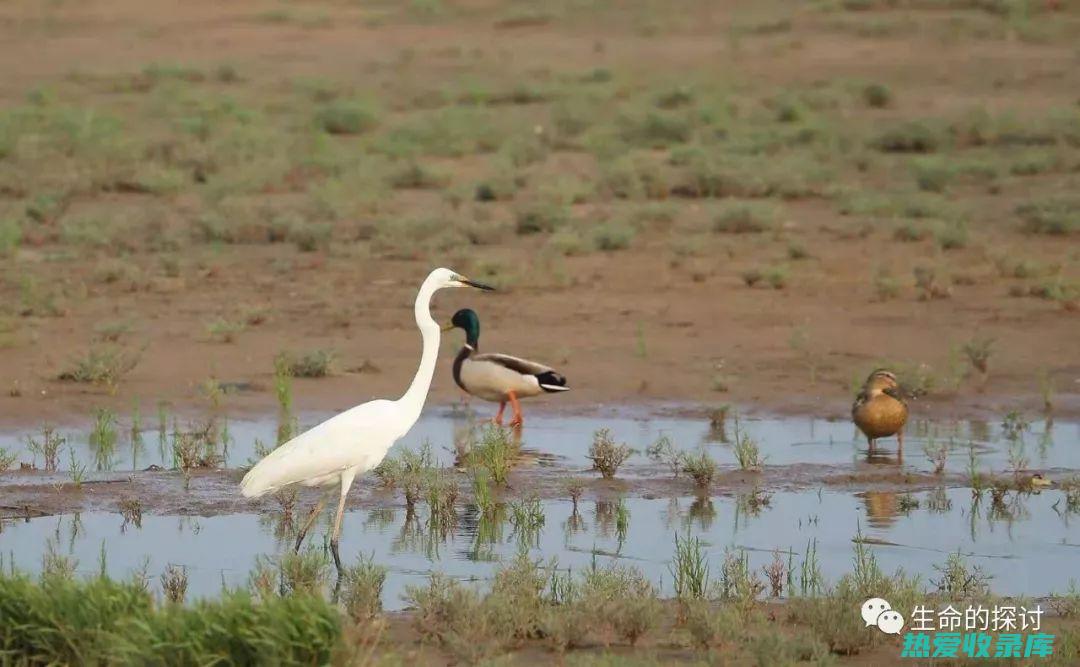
(908, 137)
(346, 117)
(61, 620)
(537, 217)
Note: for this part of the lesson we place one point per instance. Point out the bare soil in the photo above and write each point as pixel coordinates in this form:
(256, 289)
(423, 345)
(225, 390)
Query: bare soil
(624, 327)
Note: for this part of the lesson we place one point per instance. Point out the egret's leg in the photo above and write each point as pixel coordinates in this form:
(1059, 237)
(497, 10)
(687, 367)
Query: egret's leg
(346, 481)
(312, 515)
(517, 420)
(497, 419)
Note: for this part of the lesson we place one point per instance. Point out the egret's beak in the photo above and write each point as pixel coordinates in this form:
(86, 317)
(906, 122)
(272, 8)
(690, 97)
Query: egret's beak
(470, 283)
(447, 327)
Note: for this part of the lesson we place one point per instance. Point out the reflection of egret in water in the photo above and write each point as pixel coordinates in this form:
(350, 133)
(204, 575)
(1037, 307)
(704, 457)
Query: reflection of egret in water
(574, 523)
(882, 507)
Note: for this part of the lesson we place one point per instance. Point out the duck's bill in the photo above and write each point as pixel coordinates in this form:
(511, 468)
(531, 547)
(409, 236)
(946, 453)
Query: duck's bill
(473, 283)
(447, 327)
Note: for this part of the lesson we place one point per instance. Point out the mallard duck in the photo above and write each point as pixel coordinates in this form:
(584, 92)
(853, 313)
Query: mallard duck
(879, 410)
(498, 378)
(1034, 482)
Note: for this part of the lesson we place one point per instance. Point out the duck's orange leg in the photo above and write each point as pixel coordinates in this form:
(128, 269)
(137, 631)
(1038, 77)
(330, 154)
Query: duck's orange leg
(517, 420)
(497, 419)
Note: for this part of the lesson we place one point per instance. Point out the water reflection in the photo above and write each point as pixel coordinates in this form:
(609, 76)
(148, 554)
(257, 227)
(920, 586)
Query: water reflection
(551, 438)
(1024, 539)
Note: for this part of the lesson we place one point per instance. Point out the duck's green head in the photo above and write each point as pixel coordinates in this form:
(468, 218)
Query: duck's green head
(467, 320)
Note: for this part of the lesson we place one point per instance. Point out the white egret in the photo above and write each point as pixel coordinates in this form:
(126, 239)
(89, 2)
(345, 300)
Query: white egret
(355, 441)
(498, 377)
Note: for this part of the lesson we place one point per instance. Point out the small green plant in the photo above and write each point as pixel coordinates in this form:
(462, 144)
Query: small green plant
(105, 364)
(777, 573)
(362, 587)
(745, 218)
(7, 459)
(47, 446)
(978, 351)
(937, 453)
(663, 451)
(346, 117)
(1015, 425)
(747, 452)
(222, 330)
(700, 467)
(495, 452)
(131, 511)
(103, 438)
(315, 363)
(78, 469)
(689, 568)
(174, 583)
(957, 581)
(606, 455)
(876, 95)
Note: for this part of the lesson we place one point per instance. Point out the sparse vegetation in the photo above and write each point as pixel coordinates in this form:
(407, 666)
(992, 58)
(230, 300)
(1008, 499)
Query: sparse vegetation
(607, 455)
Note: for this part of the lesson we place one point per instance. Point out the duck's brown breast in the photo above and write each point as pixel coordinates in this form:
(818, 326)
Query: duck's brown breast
(881, 416)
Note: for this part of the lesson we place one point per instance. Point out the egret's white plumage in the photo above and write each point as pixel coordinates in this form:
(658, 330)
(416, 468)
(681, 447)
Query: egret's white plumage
(356, 440)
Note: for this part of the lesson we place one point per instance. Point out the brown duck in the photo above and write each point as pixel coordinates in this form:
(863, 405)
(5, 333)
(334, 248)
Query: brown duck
(879, 410)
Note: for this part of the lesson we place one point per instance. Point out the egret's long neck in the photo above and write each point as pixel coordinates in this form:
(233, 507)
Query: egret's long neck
(413, 399)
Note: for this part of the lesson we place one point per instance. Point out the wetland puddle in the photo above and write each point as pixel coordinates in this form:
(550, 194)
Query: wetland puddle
(1028, 543)
(564, 439)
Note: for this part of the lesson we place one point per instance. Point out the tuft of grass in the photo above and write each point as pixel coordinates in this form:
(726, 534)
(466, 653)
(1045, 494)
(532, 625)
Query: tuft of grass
(362, 587)
(103, 365)
(174, 583)
(316, 363)
(540, 217)
(689, 568)
(48, 446)
(663, 451)
(978, 351)
(222, 330)
(700, 467)
(958, 581)
(105, 621)
(909, 137)
(876, 95)
(103, 438)
(606, 455)
(7, 459)
(1053, 217)
(346, 117)
(613, 235)
(747, 452)
(745, 218)
(495, 452)
(937, 453)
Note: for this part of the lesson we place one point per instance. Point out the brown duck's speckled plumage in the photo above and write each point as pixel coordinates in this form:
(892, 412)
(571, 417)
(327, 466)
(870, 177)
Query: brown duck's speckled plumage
(879, 410)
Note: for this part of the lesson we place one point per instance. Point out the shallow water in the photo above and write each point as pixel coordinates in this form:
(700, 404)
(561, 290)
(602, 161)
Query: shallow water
(565, 438)
(1029, 544)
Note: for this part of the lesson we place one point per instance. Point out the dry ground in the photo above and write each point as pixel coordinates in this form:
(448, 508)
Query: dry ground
(194, 188)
